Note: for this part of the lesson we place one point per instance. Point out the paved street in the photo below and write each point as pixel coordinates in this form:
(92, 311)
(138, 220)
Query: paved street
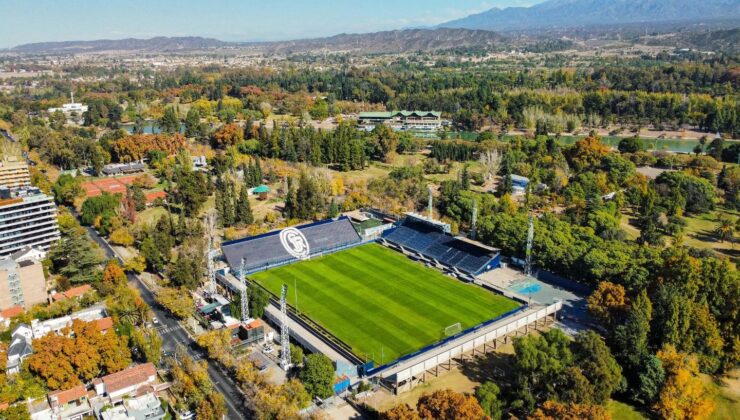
(173, 335)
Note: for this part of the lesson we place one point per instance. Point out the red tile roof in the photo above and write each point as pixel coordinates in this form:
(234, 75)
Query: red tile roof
(137, 375)
(73, 292)
(11, 312)
(105, 323)
(64, 397)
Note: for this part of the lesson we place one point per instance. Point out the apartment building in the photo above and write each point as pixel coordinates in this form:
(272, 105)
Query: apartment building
(27, 219)
(22, 283)
(14, 173)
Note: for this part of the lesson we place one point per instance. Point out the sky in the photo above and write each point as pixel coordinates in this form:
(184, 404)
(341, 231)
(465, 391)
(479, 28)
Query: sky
(26, 21)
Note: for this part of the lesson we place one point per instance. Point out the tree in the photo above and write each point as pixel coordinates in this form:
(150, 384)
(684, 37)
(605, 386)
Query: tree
(52, 361)
(192, 123)
(630, 145)
(121, 236)
(216, 342)
(400, 412)
(317, 375)
(191, 191)
(170, 123)
(16, 412)
(387, 140)
(244, 210)
(113, 277)
(147, 344)
(553, 410)
(684, 395)
(449, 405)
(649, 380)
(631, 338)
(587, 153)
(177, 300)
(488, 398)
(296, 354)
(595, 360)
(67, 189)
(725, 230)
(228, 135)
(74, 255)
(608, 302)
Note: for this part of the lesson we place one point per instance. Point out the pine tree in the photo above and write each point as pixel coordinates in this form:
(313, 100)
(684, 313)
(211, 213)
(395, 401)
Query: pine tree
(290, 201)
(333, 209)
(465, 178)
(244, 210)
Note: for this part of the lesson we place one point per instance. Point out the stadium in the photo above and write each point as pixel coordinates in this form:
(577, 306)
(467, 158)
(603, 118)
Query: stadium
(376, 299)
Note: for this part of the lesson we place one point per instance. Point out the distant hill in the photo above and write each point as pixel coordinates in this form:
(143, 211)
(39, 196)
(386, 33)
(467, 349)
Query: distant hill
(390, 41)
(377, 42)
(575, 13)
(158, 44)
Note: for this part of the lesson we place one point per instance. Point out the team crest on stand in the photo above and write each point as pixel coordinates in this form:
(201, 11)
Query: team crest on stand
(295, 243)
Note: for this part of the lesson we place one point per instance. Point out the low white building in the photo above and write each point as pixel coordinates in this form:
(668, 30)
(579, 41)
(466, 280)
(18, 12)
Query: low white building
(70, 108)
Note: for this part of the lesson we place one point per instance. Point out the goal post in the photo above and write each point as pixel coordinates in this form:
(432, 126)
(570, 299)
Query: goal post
(452, 329)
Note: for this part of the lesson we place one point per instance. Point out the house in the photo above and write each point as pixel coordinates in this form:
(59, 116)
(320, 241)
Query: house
(75, 292)
(130, 382)
(28, 253)
(7, 314)
(402, 120)
(145, 407)
(56, 325)
(70, 404)
(123, 168)
(20, 348)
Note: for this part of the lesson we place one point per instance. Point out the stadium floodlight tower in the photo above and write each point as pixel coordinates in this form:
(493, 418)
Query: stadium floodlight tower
(210, 229)
(530, 240)
(474, 219)
(284, 330)
(244, 297)
(431, 198)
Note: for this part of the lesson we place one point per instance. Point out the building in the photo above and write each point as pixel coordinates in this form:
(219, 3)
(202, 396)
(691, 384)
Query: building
(20, 348)
(22, 283)
(145, 407)
(71, 108)
(8, 314)
(402, 120)
(14, 173)
(134, 381)
(70, 404)
(73, 293)
(27, 218)
(123, 168)
(56, 325)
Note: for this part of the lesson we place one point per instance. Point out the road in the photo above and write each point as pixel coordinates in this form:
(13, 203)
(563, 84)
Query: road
(174, 336)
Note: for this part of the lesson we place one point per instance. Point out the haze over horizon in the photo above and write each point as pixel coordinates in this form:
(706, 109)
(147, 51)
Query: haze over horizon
(230, 20)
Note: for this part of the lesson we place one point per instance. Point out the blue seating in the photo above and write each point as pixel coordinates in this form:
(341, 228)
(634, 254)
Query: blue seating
(431, 242)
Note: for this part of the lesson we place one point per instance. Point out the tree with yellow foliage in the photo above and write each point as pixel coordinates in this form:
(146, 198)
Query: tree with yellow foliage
(400, 412)
(553, 410)
(607, 302)
(684, 396)
(448, 404)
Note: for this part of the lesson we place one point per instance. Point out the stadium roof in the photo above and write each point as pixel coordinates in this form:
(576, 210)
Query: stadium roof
(268, 250)
(392, 114)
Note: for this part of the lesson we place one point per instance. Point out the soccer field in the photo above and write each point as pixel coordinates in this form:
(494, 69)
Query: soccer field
(379, 302)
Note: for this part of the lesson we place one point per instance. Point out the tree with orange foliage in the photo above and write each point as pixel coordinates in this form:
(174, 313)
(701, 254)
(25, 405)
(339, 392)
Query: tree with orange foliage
(448, 404)
(138, 146)
(400, 412)
(553, 410)
(52, 361)
(684, 395)
(113, 274)
(607, 302)
(587, 153)
(228, 135)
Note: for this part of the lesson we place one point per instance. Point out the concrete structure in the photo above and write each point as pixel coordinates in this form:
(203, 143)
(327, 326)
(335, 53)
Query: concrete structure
(14, 173)
(71, 404)
(20, 348)
(123, 168)
(27, 218)
(56, 325)
(22, 283)
(137, 380)
(402, 120)
(145, 407)
(70, 108)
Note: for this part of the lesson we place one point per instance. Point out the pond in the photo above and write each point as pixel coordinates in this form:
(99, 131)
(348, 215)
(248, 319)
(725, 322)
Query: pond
(150, 127)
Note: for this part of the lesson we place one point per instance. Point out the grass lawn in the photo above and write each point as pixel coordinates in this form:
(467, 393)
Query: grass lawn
(377, 300)
(700, 231)
(622, 411)
(725, 392)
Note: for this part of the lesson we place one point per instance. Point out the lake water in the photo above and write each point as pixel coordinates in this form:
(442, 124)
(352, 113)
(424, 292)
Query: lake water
(150, 127)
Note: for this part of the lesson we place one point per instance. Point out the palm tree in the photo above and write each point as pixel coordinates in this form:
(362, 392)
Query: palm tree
(725, 230)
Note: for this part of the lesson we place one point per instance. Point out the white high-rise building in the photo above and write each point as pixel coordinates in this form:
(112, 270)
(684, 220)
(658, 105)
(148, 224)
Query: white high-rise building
(28, 218)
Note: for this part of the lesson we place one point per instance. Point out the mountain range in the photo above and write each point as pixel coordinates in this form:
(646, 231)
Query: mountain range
(576, 13)
(377, 42)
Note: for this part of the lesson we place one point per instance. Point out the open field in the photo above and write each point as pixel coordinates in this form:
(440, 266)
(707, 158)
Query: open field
(379, 302)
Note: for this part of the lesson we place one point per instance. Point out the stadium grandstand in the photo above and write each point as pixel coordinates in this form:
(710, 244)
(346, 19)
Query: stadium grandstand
(285, 246)
(431, 241)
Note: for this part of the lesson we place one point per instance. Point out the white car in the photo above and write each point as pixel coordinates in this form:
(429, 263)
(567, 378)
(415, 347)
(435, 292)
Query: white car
(268, 350)
(155, 321)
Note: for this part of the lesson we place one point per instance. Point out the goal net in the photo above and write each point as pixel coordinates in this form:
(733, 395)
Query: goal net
(452, 329)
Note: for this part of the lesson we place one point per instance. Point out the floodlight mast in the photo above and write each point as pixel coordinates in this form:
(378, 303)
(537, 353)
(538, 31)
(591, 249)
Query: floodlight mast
(284, 330)
(244, 298)
(210, 228)
(431, 198)
(530, 240)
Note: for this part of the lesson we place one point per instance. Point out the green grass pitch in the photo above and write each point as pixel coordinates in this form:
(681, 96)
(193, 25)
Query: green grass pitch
(379, 302)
